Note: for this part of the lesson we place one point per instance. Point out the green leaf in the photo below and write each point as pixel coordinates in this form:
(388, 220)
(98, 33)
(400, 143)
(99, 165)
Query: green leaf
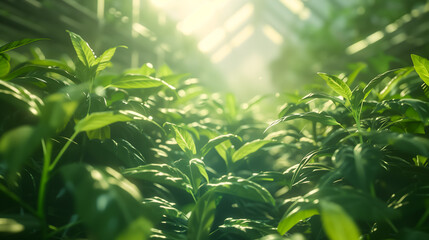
(405, 143)
(202, 217)
(403, 106)
(4, 65)
(198, 170)
(242, 188)
(131, 81)
(224, 147)
(147, 69)
(16, 145)
(421, 65)
(305, 161)
(138, 229)
(52, 63)
(216, 141)
(337, 224)
(28, 69)
(401, 73)
(338, 85)
(249, 148)
(83, 51)
(104, 60)
(174, 78)
(162, 174)
(138, 116)
(374, 82)
(21, 97)
(167, 208)
(183, 138)
(103, 197)
(163, 71)
(296, 236)
(295, 214)
(323, 96)
(19, 43)
(289, 108)
(100, 119)
(231, 106)
(58, 110)
(352, 76)
(270, 176)
(246, 227)
(321, 117)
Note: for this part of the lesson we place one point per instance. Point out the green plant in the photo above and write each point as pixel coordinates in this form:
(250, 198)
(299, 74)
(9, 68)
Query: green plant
(359, 148)
(149, 154)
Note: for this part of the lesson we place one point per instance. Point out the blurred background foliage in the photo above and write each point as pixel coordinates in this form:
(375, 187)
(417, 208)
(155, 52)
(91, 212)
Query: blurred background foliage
(248, 47)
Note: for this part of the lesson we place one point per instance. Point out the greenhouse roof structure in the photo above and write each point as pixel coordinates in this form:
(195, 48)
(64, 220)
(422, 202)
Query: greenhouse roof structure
(246, 35)
(264, 42)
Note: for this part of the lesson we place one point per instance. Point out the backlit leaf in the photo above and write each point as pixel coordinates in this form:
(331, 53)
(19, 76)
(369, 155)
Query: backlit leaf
(202, 217)
(183, 138)
(241, 188)
(295, 214)
(103, 61)
(20, 97)
(421, 65)
(337, 224)
(162, 174)
(169, 209)
(103, 197)
(246, 227)
(28, 69)
(19, 43)
(131, 81)
(83, 51)
(321, 117)
(249, 148)
(4, 65)
(198, 171)
(338, 85)
(100, 119)
(216, 141)
(375, 81)
(323, 96)
(16, 145)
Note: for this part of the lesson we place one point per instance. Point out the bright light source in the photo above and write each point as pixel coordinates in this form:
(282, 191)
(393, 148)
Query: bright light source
(221, 54)
(399, 38)
(272, 34)
(391, 27)
(242, 36)
(239, 17)
(375, 37)
(212, 40)
(297, 8)
(144, 31)
(200, 16)
(100, 9)
(160, 3)
(356, 47)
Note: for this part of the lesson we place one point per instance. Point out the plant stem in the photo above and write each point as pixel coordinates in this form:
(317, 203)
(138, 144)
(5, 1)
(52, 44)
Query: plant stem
(62, 228)
(359, 129)
(60, 154)
(314, 125)
(47, 150)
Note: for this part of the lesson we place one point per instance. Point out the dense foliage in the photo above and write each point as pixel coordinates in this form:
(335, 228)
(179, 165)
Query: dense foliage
(149, 154)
